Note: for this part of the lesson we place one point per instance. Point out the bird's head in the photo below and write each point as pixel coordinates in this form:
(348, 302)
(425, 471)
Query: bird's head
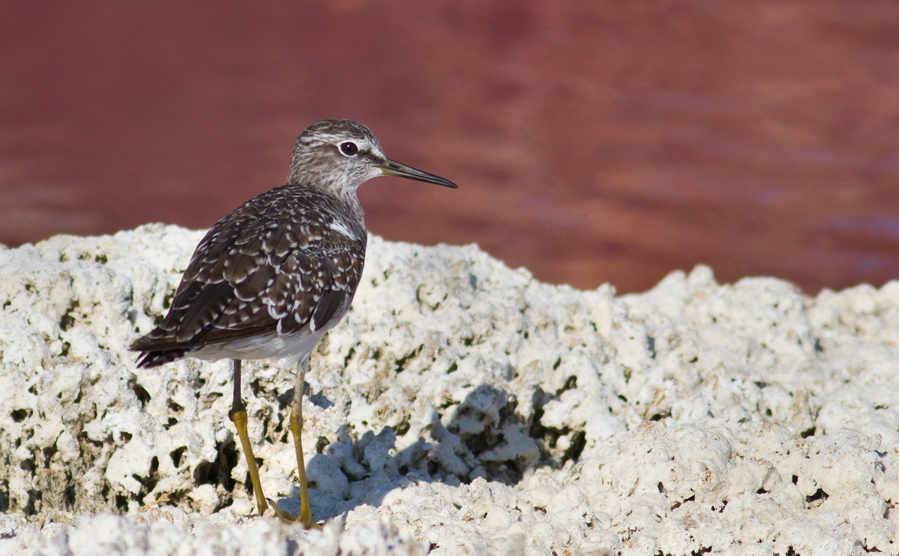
(340, 155)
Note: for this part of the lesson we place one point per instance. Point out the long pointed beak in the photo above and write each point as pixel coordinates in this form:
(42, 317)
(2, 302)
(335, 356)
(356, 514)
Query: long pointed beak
(392, 168)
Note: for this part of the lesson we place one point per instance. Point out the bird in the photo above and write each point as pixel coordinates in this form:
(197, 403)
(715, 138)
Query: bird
(271, 278)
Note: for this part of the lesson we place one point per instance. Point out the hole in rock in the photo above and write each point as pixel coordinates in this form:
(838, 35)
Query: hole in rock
(321, 444)
(19, 415)
(149, 483)
(538, 400)
(142, 395)
(211, 397)
(4, 496)
(34, 502)
(67, 320)
(817, 498)
(578, 443)
(507, 473)
(176, 455)
(49, 452)
(87, 442)
(256, 386)
(403, 427)
(218, 472)
(570, 384)
(28, 465)
(401, 362)
(349, 357)
(477, 443)
(68, 495)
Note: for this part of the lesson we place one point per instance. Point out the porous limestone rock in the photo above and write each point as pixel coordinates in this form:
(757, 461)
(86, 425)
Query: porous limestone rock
(461, 408)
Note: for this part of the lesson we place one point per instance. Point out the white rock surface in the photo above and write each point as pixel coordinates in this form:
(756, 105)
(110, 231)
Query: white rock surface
(462, 408)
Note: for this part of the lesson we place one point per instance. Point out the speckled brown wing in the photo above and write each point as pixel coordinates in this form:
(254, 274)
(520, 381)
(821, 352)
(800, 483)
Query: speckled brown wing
(286, 261)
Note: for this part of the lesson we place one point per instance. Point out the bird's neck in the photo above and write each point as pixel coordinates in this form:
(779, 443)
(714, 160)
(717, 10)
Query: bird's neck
(351, 201)
(337, 197)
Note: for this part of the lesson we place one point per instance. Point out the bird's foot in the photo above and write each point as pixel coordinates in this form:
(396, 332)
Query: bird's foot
(305, 517)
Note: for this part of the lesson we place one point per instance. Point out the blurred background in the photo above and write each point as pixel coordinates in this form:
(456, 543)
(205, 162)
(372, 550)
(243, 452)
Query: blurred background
(592, 141)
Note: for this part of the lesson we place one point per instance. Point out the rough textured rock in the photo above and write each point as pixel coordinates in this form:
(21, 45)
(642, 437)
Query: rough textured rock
(462, 408)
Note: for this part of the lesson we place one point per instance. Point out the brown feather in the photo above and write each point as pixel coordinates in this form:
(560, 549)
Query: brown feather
(277, 258)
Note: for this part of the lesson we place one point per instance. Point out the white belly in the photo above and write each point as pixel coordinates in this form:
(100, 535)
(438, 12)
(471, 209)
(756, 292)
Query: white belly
(268, 346)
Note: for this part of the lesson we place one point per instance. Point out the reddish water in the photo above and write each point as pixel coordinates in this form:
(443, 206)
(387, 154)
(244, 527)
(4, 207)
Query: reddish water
(592, 141)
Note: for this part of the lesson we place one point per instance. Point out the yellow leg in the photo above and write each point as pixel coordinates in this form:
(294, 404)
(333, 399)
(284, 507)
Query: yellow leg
(296, 430)
(240, 421)
(238, 416)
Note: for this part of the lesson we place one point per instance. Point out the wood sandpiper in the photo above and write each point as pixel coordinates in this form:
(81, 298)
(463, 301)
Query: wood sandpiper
(271, 278)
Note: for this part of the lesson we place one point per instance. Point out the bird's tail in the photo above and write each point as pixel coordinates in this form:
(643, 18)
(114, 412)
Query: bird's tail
(149, 359)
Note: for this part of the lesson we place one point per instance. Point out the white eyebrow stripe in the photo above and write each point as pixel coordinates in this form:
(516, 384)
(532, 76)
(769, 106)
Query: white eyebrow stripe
(341, 228)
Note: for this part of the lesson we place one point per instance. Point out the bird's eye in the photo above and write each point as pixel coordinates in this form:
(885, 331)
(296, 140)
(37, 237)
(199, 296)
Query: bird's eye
(349, 148)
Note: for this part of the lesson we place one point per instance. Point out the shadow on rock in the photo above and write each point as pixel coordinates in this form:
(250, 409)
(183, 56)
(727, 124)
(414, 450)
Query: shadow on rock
(484, 436)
